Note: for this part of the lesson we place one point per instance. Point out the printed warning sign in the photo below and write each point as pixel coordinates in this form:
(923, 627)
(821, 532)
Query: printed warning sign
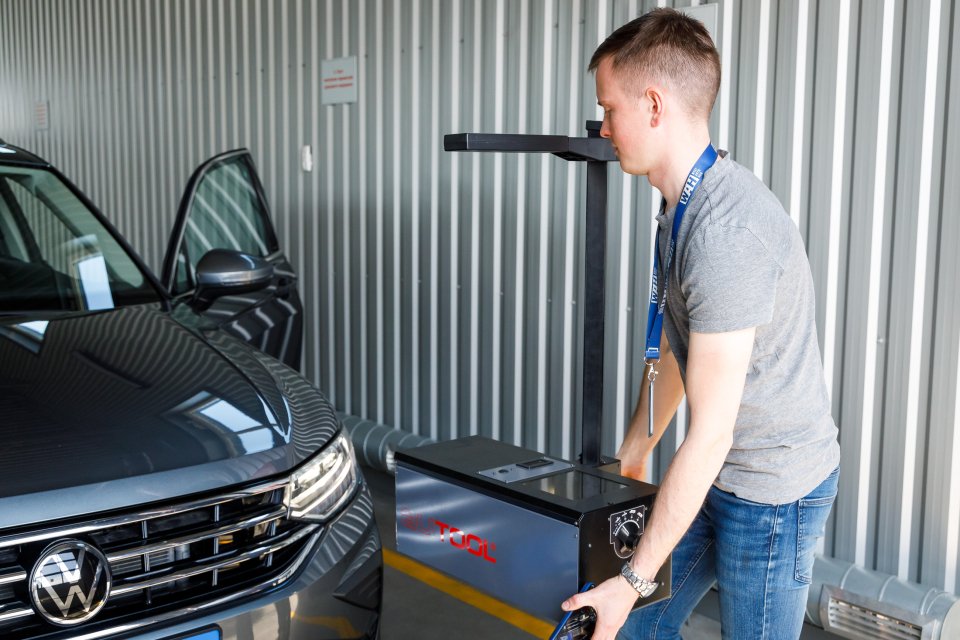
(41, 112)
(338, 80)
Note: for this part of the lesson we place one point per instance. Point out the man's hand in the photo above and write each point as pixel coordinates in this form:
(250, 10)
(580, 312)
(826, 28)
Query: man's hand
(613, 601)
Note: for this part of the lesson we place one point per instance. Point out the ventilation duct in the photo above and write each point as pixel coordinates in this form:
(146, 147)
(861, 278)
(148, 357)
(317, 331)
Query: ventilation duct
(852, 602)
(376, 443)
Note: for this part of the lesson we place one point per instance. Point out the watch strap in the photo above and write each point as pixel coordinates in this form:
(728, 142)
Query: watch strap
(642, 586)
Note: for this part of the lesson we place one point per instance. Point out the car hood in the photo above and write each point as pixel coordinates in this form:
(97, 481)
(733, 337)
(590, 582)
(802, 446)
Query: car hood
(119, 408)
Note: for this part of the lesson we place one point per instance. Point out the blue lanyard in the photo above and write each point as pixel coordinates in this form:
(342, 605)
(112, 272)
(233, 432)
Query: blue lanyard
(658, 303)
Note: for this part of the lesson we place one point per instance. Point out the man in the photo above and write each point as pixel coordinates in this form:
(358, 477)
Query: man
(749, 491)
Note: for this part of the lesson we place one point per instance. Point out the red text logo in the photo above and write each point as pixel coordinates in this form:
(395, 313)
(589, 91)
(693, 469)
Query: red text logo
(474, 545)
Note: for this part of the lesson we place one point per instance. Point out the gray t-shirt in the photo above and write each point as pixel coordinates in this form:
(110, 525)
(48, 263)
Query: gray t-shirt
(741, 263)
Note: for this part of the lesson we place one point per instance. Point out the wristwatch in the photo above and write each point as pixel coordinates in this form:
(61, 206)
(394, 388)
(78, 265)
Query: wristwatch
(643, 587)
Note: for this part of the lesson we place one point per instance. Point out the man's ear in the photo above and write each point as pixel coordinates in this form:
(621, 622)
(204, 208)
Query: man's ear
(656, 105)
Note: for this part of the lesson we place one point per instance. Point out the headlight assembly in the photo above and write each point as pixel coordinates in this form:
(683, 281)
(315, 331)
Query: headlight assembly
(321, 486)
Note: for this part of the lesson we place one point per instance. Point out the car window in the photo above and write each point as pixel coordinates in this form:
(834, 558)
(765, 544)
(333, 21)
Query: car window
(12, 244)
(55, 254)
(225, 213)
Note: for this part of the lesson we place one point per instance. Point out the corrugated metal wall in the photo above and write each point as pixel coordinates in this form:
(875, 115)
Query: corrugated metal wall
(443, 289)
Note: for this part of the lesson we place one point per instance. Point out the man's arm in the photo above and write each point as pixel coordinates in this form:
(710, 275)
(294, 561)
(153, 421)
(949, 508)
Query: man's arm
(668, 391)
(716, 372)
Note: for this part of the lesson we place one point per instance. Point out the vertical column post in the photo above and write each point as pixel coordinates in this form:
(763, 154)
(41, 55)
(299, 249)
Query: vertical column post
(595, 251)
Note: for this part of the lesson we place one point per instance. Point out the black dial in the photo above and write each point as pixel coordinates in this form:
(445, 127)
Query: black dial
(626, 528)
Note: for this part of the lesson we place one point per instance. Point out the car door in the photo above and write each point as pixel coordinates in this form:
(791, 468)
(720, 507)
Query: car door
(224, 207)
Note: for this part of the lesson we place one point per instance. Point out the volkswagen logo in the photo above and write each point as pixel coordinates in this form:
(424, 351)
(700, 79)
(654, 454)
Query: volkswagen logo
(70, 582)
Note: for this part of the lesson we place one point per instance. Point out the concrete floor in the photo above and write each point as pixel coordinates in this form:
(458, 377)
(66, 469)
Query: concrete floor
(413, 609)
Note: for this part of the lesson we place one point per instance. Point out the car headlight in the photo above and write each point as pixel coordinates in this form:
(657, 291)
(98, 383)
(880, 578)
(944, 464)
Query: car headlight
(321, 486)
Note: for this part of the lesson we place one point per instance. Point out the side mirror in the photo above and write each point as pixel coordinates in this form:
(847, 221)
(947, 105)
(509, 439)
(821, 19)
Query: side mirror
(223, 272)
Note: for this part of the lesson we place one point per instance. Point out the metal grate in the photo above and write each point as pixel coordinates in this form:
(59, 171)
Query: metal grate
(852, 616)
(165, 559)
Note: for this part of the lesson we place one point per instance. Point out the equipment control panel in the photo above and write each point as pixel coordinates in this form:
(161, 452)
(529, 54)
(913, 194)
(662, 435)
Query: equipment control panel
(626, 527)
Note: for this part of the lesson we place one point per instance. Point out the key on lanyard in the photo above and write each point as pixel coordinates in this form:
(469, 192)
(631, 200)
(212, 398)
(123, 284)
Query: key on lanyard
(651, 377)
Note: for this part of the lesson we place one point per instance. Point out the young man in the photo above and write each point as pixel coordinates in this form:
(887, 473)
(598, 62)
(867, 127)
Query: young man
(749, 491)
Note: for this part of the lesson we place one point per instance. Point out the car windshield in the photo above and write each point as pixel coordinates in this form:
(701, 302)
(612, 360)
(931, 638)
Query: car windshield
(55, 255)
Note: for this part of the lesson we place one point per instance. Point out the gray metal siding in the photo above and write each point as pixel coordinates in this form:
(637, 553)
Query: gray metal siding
(443, 289)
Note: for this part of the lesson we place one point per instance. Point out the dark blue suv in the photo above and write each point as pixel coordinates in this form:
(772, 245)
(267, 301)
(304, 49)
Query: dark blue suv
(164, 470)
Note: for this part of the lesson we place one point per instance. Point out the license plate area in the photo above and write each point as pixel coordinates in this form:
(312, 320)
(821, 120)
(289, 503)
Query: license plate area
(206, 634)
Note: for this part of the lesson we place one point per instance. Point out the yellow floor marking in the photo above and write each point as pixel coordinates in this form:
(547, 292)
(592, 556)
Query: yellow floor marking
(339, 625)
(519, 619)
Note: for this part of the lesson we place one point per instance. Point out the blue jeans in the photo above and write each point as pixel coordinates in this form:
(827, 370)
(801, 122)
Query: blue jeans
(761, 557)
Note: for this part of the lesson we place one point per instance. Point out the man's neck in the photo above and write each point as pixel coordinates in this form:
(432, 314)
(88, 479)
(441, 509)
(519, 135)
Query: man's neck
(677, 162)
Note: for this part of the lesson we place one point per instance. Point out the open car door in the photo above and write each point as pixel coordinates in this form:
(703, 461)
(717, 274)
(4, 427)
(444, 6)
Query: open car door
(224, 207)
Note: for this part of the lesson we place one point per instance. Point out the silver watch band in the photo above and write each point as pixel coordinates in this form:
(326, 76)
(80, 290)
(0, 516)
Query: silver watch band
(642, 586)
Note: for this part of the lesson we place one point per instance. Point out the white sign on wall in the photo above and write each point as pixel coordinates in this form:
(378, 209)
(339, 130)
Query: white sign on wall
(41, 112)
(338, 80)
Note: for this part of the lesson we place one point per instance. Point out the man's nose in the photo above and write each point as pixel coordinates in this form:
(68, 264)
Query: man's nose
(604, 129)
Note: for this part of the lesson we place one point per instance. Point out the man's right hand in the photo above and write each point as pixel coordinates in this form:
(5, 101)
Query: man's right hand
(632, 468)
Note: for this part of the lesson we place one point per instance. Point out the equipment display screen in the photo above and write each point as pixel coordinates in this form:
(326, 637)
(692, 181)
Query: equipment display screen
(573, 485)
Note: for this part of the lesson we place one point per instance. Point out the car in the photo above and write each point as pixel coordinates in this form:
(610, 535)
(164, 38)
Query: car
(165, 472)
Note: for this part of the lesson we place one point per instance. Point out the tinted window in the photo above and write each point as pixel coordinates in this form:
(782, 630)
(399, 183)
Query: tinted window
(55, 254)
(225, 213)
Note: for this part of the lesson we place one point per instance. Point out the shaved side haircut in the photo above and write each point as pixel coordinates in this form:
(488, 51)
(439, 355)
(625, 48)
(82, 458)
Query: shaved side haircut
(669, 47)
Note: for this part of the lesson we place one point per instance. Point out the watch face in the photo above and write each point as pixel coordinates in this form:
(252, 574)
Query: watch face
(647, 589)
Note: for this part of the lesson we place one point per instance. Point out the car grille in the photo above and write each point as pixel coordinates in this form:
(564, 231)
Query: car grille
(190, 555)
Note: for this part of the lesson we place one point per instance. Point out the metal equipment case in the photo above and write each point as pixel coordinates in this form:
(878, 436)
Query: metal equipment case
(529, 529)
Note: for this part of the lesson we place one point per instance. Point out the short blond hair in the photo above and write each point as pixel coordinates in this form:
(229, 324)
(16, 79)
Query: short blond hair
(667, 46)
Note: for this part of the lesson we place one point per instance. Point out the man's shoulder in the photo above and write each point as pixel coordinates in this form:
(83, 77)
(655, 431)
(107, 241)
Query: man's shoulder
(735, 193)
(735, 198)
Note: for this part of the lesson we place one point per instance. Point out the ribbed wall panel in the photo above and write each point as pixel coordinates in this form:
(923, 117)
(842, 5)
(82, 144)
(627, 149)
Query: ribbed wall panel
(443, 289)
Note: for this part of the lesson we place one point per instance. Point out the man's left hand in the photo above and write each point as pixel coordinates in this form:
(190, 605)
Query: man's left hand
(613, 601)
